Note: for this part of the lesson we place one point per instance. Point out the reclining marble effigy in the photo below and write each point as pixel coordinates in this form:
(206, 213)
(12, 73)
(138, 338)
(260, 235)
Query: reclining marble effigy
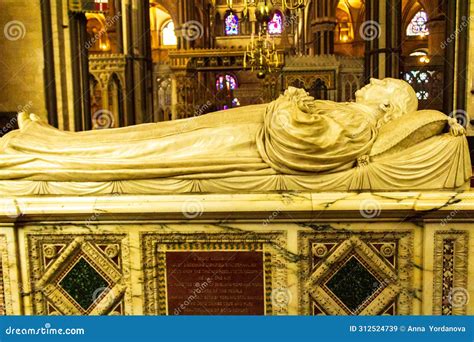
(379, 142)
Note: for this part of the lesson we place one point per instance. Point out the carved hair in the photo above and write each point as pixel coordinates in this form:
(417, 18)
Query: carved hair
(402, 101)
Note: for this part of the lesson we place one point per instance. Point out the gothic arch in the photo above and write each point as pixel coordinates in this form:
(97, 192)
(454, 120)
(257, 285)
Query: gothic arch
(409, 12)
(116, 98)
(169, 6)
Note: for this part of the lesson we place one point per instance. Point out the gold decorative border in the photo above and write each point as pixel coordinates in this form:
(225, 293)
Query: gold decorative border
(398, 290)
(364, 252)
(44, 290)
(309, 77)
(155, 245)
(5, 284)
(461, 246)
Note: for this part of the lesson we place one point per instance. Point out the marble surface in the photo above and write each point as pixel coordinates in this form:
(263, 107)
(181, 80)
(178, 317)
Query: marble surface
(246, 207)
(285, 226)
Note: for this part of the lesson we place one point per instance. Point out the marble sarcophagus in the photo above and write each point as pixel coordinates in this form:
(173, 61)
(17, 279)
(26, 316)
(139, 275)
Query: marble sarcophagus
(297, 207)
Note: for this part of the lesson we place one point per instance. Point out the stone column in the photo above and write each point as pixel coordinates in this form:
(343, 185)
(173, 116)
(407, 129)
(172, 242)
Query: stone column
(436, 38)
(382, 33)
(323, 26)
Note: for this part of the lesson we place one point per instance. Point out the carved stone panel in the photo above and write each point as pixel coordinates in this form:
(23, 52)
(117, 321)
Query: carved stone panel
(5, 290)
(262, 273)
(79, 274)
(215, 283)
(450, 294)
(356, 273)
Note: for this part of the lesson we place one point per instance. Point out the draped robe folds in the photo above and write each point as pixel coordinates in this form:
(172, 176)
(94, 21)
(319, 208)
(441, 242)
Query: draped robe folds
(292, 135)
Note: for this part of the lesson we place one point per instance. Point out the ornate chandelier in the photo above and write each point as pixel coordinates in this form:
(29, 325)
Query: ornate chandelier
(285, 4)
(261, 55)
(293, 4)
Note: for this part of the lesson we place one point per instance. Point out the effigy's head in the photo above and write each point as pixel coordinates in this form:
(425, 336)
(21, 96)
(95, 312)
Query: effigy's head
(390, 94)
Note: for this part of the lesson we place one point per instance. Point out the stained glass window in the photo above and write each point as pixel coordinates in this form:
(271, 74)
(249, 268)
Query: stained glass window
(225, 85)
(168, 35)
(231, 25)
(422, 95)
(420, 80)
(275, 25)
(417, 26)
(228, 81)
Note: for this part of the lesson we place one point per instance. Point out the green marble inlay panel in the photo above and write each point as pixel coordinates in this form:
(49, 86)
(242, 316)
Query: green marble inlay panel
(353, 284)
(83, 283)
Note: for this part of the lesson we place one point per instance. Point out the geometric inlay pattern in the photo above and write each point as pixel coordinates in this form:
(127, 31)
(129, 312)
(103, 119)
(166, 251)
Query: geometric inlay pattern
(5, 290)
(353, 284)
(78, 274)
(83, 283)
(356, 273)
(450, 266)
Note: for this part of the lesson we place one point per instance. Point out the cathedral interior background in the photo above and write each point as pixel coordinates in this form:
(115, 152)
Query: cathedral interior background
(83, 65)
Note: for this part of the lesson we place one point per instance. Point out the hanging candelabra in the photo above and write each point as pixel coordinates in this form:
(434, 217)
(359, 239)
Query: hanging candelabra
(293, 4)
(261, 55)
(284, 4)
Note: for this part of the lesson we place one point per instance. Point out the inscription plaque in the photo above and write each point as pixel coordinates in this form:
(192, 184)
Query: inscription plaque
(215, 283)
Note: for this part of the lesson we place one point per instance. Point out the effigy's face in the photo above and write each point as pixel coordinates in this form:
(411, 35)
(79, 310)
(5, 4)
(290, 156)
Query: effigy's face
(376, 92)
(389, 92)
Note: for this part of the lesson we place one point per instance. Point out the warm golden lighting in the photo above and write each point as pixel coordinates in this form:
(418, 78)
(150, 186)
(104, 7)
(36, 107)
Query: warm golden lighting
(425, 59)
(261, 54)
(355, 3)
(345, 32)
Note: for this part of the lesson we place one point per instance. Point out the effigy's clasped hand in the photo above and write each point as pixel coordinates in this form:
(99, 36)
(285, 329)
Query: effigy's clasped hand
(455, 128)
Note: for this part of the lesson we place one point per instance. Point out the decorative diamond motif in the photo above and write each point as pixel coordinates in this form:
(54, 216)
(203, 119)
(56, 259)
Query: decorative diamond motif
(368, 284)
(83, 283)
(353, 284)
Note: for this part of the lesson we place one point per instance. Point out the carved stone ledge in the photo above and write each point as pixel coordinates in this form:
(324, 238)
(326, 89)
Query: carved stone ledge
(308, 207)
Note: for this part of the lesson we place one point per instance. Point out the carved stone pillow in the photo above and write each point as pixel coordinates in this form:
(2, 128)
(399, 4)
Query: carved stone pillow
(408, 130)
